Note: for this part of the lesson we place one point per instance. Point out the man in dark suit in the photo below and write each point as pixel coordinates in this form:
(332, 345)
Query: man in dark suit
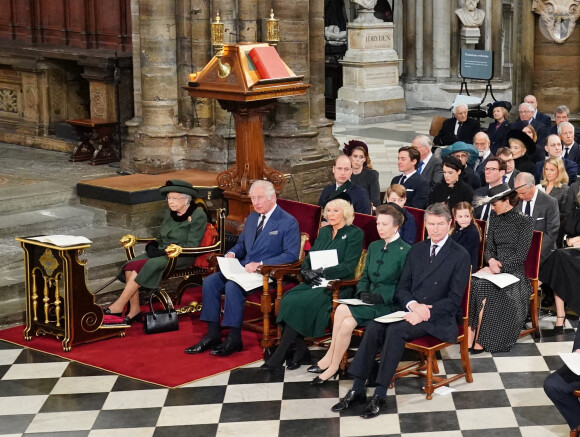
(431, 288)
(494, 173)
(560, 387)
(570, 148)
(430, 166)
(554, 150)
(506, 155)
(359, 197)
(270, 236)
(542, 208)
(417, 187)
(457, 128)
(561, 116)
(526, 118)
(482, 144)
(537, 115)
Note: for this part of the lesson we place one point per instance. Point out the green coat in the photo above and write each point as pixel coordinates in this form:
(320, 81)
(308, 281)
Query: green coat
(184, 233)
(307, 309)
(380, 276)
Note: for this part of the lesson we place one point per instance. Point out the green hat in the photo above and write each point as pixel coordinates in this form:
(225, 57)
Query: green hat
(460, 146)
(178, 186)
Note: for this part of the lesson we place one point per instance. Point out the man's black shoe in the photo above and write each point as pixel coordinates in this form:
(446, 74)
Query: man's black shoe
(352, 397)
(226, 348)
(204, 344)
(373, 408)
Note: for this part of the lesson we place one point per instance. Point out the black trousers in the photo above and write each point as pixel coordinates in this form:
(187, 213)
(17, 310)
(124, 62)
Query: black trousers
(388, 339)
(559, 386)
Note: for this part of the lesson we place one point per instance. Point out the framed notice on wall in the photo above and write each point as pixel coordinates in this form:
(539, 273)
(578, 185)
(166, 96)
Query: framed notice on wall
(476, 64)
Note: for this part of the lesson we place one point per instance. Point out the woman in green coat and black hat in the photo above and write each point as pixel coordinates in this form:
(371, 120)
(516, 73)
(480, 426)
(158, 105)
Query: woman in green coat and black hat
(183, 224)
(384, 264)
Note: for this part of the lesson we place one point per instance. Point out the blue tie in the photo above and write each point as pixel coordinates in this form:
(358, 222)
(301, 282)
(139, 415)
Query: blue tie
(420, 169)
(260, 227)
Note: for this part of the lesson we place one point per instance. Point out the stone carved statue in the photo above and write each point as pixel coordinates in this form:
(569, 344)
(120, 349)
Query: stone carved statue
(469, 15)
(367, 4)
(557, 18)
(365, 12)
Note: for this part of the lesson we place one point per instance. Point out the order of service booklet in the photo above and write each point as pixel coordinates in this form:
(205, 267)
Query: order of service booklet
(62, 240)
(234, 271)
(397, 316)
(502, 280)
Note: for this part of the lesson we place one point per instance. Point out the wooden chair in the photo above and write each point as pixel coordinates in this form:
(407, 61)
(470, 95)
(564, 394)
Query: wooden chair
(419, 216)
(532, 268)
(193, 274)
(482, 226)
(267, 303)
(427, 346)
(436, 125)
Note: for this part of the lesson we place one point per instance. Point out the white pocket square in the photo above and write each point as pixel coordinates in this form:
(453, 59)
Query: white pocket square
(273, 232)
(540, 218)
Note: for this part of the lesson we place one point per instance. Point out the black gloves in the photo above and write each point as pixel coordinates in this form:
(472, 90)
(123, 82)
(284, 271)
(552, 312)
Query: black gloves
(313, 277)
(371, 298)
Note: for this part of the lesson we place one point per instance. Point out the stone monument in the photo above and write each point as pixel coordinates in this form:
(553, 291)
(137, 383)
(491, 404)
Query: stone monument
(471, 18)
(371, 91)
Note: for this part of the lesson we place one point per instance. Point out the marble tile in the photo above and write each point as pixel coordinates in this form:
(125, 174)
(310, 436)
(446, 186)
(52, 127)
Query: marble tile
(63, 421)
(492, 432)
(27, 387)
(36, 370)
(123, 432)
(545, 431)
(554, 348)
(481, 381)
(254, 392)
(186, 430)
(262, 428)
(242, 411)
(307, 409)
(127, 418)
(16, 424)
(478, 365)
(433, 421)
(128, 384)
(311, 427)
(416, 403)
(486, 418)
(32, 356)
(435, 434)
(196, 395)
(528, 397)
(84, 384)
(385, 424)
(520, 364)
(189, 415)
(303, 390)
(8, 356)
(21, 404)
(524, 379)
(220, 379)
(119, 400)
(538, 415)
(254, 376)
(74, 402)
(483, 399)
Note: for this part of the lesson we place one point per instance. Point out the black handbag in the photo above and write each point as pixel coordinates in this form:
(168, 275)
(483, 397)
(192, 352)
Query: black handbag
(163, 320)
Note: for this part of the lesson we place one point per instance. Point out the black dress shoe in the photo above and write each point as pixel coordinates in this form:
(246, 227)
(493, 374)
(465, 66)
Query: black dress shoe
(204, 344)
(352, 397)
(136, 318)
(269, 368)
(226, 348)
(315, 369)
(319, 381)
(373, 408)
(107, 312)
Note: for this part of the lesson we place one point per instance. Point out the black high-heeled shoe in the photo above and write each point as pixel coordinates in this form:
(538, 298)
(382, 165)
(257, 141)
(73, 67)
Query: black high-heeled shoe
(319, 381)
(107, 312)
(129, 320)
(315, 369)
(560, 329)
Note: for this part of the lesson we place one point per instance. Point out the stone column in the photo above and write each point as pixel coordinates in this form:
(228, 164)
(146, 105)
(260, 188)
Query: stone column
(200, 56)
(409, 63)
(371, 91)
(419, 40)
(495, 17)
(183, 29)
(316, 51)
(524, 51)
(441, 32)
(427, 38)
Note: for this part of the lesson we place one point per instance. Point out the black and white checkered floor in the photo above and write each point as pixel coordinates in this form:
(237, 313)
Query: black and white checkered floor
(44, 395)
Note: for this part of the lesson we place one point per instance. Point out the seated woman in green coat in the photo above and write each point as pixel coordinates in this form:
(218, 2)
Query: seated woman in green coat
(385, 260)
(183, 224)
(305, 309)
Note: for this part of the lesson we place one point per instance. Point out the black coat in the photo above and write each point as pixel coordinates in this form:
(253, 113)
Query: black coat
(417, 190)
(446, 135)
(469, 239)
(460, 192)
(524, 164)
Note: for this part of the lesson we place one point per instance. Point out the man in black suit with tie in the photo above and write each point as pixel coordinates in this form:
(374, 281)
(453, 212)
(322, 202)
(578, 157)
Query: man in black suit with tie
(506, 155)
(417, 187)
(431, 289)
(526, 111)
(562, 115)
(482, 144)
(537, 115)
(430, 166)
(494, 174)
(457, 128)
(560, 387)
(570, 148)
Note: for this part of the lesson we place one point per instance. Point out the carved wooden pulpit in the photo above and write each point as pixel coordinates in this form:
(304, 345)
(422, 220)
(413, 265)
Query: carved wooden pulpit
(242, 92)
(58, 301)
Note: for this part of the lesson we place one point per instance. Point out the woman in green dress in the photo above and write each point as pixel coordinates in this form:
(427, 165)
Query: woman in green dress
(183, 224)
(305, 309)
(384, 264)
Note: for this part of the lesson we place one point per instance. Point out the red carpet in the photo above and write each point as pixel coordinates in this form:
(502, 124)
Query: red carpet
(157, 358)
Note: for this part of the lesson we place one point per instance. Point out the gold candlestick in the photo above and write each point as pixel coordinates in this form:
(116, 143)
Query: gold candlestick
(272, 29)
(217, 41)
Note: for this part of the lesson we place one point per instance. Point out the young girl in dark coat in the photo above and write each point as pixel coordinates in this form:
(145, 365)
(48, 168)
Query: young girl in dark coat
(466, 232)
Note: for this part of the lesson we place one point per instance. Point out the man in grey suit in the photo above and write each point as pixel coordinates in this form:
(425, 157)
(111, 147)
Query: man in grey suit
(430, 165)
(542, 208)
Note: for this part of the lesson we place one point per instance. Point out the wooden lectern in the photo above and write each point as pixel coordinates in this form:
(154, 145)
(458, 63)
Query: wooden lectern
(242, 92)
(58, 301)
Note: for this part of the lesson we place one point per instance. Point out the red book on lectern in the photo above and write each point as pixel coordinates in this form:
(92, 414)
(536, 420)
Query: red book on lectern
(269, 63)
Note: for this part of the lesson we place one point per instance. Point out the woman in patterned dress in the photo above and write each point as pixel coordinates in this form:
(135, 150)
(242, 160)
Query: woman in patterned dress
(496, 315)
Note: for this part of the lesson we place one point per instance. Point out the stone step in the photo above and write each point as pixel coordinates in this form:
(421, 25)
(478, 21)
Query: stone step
(61, 219)
(24, 198)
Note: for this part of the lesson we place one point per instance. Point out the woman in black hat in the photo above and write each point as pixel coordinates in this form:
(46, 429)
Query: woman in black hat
(496, 315)
(183, 224)
(498, 129)
(363, 174)
(452, 189)
(522, 147)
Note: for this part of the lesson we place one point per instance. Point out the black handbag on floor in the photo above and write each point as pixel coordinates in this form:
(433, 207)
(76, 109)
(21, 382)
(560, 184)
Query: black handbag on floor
(162, 320)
